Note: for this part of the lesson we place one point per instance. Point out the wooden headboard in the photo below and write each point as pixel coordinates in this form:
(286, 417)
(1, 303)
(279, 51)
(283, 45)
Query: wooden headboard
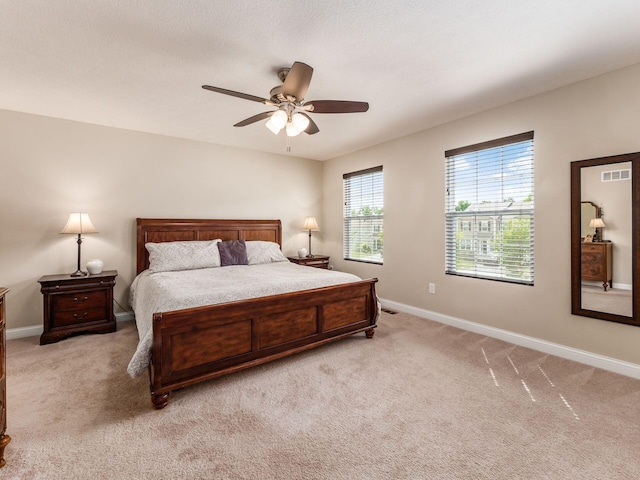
(158, 230)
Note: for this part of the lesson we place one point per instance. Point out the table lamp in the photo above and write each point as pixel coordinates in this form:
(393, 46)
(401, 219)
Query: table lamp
(598, 224)
(311, 225)
(79, 223)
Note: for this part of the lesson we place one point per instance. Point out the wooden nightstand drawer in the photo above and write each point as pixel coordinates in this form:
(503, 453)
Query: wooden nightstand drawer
(74, 305)
(593, 247)
(78, 317)
(591, 271)
(76, 302)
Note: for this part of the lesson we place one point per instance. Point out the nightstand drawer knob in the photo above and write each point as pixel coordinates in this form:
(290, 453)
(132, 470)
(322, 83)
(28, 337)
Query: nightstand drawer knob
(80, 301)
(78, 317)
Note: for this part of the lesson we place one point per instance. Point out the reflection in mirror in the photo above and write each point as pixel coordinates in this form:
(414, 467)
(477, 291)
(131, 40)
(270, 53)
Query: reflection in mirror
(606, 263)
(603, 268)
(588, 212)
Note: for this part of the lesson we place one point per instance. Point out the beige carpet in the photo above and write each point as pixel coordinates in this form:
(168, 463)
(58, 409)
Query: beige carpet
(418, 401)
(613, 300)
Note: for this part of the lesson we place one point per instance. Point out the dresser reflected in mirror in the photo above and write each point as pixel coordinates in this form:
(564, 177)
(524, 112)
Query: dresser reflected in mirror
(603, 238)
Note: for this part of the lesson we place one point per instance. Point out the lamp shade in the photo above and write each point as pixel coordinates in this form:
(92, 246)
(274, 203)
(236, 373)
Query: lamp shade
(596, 223)
(279, 119)
(310, 223)
(300, 122)
(272, 127)
(79, 223)
(291, 130)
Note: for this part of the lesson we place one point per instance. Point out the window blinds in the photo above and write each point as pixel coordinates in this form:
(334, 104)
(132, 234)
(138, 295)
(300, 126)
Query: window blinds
(363, 236)
(489, 210)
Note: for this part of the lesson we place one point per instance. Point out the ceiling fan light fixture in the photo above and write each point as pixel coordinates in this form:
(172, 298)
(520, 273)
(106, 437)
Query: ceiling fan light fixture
(300, 121)
(279, 119)
(292, 131)
(272, 127)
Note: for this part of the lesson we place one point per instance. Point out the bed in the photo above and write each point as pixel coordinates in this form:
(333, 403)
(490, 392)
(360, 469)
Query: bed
(196, 344)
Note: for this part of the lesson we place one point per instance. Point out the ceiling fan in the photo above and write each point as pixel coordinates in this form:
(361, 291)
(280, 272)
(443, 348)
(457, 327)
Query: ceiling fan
(291, 112)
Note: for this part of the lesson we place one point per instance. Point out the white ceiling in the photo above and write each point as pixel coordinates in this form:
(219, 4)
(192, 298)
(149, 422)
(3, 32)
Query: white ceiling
(140, 64)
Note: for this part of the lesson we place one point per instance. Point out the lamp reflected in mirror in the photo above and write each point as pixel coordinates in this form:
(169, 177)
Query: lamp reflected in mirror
(598, 225)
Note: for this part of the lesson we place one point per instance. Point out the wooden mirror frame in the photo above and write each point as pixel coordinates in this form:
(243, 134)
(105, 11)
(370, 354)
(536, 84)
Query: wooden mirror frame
(576, 200)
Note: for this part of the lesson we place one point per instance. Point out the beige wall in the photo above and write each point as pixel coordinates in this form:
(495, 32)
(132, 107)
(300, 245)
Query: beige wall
(52, 167)
(594, 118)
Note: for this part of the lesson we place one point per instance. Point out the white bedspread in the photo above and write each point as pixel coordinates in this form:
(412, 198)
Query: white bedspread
(167, 291)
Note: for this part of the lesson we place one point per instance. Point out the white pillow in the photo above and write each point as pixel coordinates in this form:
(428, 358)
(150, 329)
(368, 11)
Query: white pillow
(171, 256)
(259, 252)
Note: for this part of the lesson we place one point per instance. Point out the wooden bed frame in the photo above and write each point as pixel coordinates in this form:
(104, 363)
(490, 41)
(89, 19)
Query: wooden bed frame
(197, 344)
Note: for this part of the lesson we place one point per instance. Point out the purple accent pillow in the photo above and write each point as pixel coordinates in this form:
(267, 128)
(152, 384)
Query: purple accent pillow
(233, 252)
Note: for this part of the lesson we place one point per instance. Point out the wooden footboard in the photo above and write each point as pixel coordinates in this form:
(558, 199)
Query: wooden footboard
(197, 344)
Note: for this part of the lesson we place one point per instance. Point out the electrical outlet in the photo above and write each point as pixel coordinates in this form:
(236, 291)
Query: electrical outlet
(432, 288)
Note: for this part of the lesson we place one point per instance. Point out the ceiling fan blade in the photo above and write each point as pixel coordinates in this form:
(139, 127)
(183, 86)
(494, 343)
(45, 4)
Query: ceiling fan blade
(254, 119)
(336, 106)
(246, 96)
(312, 128)
(297, 81)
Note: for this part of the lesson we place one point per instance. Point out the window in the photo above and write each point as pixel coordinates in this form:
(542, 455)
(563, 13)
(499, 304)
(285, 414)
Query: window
(490, 210)
(466, 244)
(363, 214)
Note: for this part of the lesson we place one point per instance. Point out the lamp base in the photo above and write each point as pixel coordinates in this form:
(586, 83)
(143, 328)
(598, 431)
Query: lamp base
(79, 273)
(311, 256)
(598, 235)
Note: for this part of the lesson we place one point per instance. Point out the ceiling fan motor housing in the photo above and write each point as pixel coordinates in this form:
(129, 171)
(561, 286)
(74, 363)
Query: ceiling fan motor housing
(276, 94)
(282, 73)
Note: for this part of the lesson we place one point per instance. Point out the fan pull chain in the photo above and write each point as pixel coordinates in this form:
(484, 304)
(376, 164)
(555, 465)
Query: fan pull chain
(288, 143)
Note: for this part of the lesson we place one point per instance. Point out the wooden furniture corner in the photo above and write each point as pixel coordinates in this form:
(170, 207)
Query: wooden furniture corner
(317, 261)
(4, 438)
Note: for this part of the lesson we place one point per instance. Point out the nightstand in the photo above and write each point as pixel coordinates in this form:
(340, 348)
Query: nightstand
(317, 261)
(74, 305)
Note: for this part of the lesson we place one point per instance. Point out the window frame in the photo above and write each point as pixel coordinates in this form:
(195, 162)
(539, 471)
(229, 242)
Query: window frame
(377, 228)
(496, 259)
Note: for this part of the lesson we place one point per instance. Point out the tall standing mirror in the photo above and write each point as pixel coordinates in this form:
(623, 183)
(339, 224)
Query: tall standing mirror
(605, 230)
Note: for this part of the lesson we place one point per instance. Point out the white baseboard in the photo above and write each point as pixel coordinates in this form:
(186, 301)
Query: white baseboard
(36, 330)
(617, 286)
(124, 316)
(562, 351)
(22, 332)
(600, 361)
